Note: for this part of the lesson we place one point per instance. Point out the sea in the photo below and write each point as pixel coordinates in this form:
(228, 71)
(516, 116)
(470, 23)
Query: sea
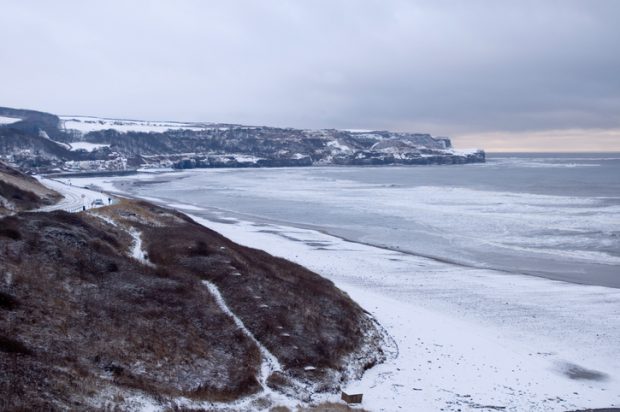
(552, 215)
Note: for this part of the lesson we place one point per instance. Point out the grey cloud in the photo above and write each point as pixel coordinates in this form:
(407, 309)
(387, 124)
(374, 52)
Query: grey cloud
(446, 67)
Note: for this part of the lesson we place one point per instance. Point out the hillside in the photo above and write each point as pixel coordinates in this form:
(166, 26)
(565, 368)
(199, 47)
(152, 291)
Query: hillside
(19, 191)
(44, 142)
(134, 305)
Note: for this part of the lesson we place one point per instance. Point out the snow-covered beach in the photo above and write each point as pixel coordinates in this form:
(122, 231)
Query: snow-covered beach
(467, 338)
(479, 340)
(310, 206)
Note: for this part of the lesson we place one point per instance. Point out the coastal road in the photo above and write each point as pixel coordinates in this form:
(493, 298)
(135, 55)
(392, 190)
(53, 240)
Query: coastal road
(75, 198)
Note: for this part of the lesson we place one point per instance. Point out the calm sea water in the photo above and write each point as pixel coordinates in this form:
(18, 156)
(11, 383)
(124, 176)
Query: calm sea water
(551, 215)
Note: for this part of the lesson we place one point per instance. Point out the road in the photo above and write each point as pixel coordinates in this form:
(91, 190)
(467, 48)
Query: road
(75, 199)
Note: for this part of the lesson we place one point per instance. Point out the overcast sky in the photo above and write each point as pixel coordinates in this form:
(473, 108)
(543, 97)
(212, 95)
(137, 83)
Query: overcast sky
(502, 75)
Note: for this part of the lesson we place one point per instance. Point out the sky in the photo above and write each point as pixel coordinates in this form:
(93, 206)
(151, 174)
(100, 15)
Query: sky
(499, 75)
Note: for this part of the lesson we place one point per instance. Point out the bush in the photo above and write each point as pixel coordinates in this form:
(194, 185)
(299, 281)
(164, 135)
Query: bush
(10, 345)
(7, 301)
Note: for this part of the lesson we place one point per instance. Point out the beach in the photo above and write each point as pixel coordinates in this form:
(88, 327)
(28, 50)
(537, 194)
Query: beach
(464, 337)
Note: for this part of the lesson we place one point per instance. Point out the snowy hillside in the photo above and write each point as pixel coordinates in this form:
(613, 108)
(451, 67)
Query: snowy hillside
(86, 124)
(8, 120)
(43, 142)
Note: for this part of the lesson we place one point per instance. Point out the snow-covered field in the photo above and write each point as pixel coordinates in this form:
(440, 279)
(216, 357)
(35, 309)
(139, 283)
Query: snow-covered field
(87, 124)
(468, 339)
(8, 120)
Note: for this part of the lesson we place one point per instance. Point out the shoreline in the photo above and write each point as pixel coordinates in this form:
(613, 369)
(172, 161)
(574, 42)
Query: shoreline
(540, 263)
(415, 328)
(453, 322)
(187, 208)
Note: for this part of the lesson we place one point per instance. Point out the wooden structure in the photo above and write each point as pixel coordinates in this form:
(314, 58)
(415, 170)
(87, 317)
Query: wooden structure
(351, 398)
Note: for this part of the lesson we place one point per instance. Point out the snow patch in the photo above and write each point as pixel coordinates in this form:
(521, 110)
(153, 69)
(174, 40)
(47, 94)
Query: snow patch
(241, 158)
(89, 147)
(9, 120)
(44, 135)
(136, 250)
(184, 206)
(86, 124)
(357, 130)
(106, 219)
(269, 363)
(337, 145)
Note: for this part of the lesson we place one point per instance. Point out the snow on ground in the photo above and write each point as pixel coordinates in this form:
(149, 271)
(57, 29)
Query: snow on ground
(337, 145)
(89, 147)
(43, 134)
(184, 206)
(269, 363)
(468, 339)
(246, 158)
(74, 198)
(155, 169)
(253, 403)
(102, 183)
(358, 130)
(136, 249)
(463, 152)
(107, 183)
(9, 120)
(87, 124)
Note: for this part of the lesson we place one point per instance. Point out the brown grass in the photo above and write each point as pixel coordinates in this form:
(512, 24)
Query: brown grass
(80, 304)
(81, 314)
(22, 192)
(281, 302)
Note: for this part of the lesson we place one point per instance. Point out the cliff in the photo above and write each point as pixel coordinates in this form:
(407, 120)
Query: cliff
(44, 142)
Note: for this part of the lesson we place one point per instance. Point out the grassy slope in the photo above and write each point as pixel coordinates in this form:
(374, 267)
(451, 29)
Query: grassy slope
(81, 318)
(19, 191)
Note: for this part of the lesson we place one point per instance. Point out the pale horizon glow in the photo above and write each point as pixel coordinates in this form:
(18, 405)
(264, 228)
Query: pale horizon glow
(566, 141)
(519, 76)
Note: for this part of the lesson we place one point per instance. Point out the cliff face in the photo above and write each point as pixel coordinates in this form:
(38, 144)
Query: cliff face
(134, 302)
(78, 143)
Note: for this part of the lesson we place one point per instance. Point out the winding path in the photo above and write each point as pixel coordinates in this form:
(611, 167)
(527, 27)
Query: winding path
(75, 199)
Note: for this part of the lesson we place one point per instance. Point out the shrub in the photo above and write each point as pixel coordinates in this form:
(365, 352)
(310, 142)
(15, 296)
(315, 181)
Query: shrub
(11, 345)
(7, 301)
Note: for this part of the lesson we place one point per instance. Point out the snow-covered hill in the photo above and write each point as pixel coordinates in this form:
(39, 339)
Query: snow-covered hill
(9, 120)
(92, 143)
(86, 124)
